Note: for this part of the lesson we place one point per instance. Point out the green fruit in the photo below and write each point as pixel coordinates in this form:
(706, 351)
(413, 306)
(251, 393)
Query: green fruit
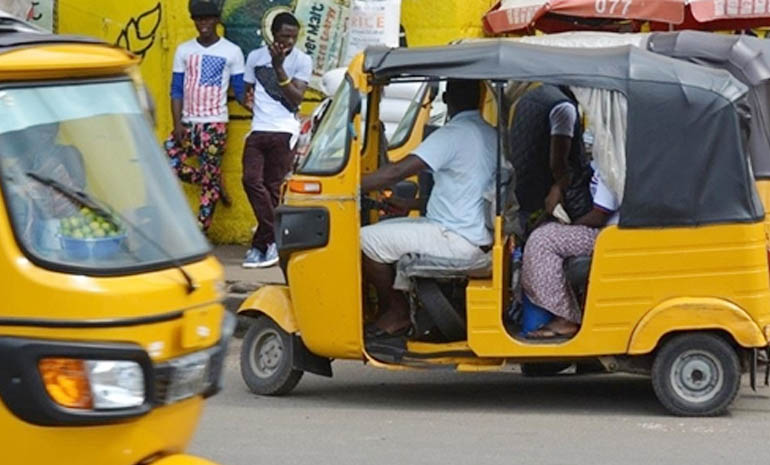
(77, 235)
(98, 233)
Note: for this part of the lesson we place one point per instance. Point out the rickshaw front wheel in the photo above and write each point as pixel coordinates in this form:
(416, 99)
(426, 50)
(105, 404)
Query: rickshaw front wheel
(267, 359)
(696, 374)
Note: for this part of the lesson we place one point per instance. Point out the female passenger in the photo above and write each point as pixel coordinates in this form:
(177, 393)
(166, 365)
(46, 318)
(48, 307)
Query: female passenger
(543, 278)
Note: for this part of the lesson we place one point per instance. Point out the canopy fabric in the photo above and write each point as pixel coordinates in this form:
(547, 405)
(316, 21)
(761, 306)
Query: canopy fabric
(746, 58)
(685, 162)
(562, 15)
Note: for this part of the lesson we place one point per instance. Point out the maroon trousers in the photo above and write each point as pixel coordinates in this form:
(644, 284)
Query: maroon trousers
(266, 162)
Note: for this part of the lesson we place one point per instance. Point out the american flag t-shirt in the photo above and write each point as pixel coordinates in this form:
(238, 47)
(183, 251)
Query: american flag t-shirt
(205, 86)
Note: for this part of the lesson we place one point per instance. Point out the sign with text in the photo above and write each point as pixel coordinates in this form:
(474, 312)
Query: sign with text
(324, 23)
(372, 22)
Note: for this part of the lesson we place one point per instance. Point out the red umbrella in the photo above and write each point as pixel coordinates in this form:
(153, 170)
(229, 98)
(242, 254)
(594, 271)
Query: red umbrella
(561, 15)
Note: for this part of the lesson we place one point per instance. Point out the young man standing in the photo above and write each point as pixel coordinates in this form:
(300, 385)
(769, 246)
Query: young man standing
(278, 75)
(204, 69)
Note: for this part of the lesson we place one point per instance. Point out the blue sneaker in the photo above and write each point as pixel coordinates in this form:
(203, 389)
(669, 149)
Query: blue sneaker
(270, 257)
(253, 258)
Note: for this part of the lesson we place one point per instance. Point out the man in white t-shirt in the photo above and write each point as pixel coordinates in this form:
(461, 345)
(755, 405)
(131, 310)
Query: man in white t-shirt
(462, 158)
(204, 70)
(277, 74)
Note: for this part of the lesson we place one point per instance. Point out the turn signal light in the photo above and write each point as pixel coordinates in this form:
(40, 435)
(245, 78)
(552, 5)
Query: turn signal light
(66, 381)
(305, 187)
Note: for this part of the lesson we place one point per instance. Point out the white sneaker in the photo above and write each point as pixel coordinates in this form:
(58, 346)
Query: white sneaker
(253, 258)
(270, 257)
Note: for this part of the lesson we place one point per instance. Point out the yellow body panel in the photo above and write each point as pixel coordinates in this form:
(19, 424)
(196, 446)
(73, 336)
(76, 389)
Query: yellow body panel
(64, 61)
(275, 302)
(633, 272)
(688, 313)
(166, 429)
(763, 189)
(328, 314)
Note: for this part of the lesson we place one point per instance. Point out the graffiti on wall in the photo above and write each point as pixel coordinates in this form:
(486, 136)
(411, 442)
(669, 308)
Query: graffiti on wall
(140, 32)
(244, 20)
(39, 12)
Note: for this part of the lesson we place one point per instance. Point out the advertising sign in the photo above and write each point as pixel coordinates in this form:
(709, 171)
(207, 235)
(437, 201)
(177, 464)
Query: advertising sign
(323, 34)
(372, 22)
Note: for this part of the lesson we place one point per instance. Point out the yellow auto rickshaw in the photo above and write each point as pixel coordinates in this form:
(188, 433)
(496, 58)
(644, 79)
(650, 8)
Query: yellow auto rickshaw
(112, 332)
(678, 290)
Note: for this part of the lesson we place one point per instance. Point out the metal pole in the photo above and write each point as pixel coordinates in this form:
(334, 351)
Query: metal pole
(500, 148)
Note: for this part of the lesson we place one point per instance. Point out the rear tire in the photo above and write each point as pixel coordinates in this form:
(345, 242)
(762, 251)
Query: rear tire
(267, 359)
(696, 375)
(544, 369)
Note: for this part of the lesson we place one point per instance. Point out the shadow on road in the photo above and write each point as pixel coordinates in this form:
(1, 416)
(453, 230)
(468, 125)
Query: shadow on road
(618, 394)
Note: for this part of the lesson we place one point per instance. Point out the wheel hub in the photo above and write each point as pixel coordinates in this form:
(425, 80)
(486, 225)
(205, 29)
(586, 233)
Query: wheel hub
(696, 376)
(267, 354)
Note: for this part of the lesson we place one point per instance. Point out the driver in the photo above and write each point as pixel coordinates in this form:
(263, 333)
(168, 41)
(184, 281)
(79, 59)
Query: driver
(461, 156)
(36, 150)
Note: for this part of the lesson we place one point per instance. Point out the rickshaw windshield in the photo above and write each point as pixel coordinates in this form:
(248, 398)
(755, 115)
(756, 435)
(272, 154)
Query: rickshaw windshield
(329, 145)
(85, 183)
(405, 126)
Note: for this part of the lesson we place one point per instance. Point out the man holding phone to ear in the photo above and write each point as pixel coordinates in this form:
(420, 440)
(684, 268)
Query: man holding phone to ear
(277, 74)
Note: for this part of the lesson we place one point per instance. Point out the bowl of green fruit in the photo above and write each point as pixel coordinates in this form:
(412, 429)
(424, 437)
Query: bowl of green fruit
(88, 234)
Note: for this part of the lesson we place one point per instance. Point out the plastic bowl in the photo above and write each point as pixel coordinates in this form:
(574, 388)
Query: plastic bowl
(533, 317)
(97, 248)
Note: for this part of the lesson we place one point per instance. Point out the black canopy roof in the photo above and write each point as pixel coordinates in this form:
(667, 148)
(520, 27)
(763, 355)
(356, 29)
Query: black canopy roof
(745, 57)
(685, 162)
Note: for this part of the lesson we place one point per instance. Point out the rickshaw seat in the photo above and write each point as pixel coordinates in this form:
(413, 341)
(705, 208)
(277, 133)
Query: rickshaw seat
(412, 266)
(576, 270)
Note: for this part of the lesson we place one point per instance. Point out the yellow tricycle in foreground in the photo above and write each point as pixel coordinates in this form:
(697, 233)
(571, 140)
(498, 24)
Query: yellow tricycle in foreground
(112, 332)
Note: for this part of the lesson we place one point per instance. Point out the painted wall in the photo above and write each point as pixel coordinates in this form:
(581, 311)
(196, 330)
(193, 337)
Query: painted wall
(154, 28)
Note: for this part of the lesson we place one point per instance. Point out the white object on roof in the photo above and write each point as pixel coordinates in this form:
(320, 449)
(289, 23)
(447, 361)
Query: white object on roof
(587, 39)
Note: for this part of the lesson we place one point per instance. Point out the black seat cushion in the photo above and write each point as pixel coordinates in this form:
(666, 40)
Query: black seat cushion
(577, 269)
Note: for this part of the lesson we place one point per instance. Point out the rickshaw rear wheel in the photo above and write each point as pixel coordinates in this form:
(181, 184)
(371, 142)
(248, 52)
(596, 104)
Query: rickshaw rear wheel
(696, 375)
(267, 359)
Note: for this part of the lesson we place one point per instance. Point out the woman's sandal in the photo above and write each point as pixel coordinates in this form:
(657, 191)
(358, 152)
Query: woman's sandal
(548, 333)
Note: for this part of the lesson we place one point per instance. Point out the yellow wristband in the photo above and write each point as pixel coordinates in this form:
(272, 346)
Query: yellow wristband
(285, 83)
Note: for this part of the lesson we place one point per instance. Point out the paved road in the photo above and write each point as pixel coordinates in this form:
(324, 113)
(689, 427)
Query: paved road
(369, 416)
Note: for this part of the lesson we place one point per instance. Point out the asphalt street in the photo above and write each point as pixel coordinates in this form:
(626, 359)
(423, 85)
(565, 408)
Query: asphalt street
(369, 416)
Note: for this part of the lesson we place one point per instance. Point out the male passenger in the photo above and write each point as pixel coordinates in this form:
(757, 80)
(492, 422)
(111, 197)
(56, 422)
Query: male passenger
(546, 151)
(278, 74)
(204, 69)
(461, 156)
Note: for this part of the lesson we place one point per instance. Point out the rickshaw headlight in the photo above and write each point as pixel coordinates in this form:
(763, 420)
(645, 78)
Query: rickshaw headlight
(116, 385)
(93, 384)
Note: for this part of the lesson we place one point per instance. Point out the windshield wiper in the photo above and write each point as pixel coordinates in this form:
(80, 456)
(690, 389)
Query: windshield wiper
(102, 208)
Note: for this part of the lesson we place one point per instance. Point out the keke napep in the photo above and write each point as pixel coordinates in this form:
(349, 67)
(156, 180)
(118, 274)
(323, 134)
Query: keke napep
(678, 290)
(111, 329)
